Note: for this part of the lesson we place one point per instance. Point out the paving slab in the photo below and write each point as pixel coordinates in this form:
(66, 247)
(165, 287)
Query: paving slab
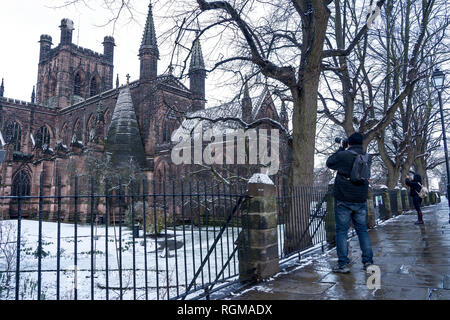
(414, 262)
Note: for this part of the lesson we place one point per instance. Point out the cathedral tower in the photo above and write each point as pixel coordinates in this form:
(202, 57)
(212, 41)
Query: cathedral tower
(68, 74)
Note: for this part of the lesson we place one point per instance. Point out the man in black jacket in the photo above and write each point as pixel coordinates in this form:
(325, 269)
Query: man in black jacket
(350, 203)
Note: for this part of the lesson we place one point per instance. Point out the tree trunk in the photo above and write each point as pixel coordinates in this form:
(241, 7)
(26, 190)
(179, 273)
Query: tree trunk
(305, 96)
(301, 177)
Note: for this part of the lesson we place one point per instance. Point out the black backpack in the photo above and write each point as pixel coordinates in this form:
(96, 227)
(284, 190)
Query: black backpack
(361, 168)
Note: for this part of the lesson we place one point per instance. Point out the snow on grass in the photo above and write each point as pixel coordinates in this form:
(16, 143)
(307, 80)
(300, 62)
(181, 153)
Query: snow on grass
(162, 264)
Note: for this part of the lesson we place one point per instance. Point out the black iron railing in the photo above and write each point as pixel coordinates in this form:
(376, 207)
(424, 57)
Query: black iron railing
(135, 240)
(301, 220)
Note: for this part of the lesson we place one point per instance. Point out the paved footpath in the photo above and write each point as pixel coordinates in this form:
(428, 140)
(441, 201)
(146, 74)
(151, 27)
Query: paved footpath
(414, 263)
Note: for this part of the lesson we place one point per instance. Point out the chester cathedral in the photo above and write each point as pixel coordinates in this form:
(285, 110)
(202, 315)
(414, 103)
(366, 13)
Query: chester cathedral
(77, 110)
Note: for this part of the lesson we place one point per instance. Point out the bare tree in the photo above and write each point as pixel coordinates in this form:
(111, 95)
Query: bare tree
(381, 72)
(379, 81)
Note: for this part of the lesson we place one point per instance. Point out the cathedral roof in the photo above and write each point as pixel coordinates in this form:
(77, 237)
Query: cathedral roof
(149, 37)
(124, 139)
(259, 102)
(173, 82)
(231, 110)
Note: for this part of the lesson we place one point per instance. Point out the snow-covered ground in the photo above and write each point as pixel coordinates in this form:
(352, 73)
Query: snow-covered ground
(186, 260)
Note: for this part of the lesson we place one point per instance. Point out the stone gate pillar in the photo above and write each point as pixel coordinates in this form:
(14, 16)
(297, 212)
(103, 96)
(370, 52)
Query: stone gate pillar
(405, 198)
(399, 201)
(427, 200)
(371, 219)
(387, 203)
(258, 251)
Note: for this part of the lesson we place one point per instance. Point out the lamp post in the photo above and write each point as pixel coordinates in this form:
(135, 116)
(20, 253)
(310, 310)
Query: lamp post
(2, 155)
(438, 78)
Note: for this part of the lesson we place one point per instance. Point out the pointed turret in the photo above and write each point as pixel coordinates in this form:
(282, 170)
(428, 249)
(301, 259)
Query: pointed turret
(33, 95)
(284, 117)
(2, 88)
(197, 76)
(117, 81)
(148, 52)
(247, 105)
(197, 62)
(124, 139)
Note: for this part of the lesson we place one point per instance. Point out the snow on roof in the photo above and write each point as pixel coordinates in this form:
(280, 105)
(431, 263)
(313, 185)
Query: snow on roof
(171, 81)
(232, 109)
(259, 102)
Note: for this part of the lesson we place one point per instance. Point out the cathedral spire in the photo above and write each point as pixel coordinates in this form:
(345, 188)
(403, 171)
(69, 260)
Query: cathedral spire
(247, 105)
(148, 52)
(2, 88)
(149, 37)
(197, 61)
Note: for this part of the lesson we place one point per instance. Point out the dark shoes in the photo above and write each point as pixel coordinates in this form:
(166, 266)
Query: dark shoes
(341, 269)
(418, 222)
(346, 268)
(366, 265)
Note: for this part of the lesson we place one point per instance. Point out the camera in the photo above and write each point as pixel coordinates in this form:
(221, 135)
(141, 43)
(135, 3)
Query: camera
(343, 140)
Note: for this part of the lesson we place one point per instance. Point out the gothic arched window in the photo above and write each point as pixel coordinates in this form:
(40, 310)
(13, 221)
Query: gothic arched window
(65, 135)
(42, 136)
(108, 116)
(52, 85)
(77, 85)
(169, 126)
(21, 186)
(14, 135)
(77, 132)
(91, 133)
(93, 90)
(166, 131)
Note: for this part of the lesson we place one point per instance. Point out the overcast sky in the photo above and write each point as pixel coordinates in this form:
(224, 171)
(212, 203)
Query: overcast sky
(23, 21)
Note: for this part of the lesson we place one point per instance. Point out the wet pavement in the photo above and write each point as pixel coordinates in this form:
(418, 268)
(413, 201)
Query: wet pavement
(414, 262)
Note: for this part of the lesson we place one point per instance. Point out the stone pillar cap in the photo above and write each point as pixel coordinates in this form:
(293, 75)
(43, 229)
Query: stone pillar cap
(259, 178)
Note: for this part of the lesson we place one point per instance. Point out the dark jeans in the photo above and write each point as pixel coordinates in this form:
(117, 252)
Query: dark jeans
(344, 211)
(417, 201)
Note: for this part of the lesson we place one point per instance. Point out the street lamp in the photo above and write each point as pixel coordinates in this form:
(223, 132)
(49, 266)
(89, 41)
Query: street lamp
(438, 78)
(2, 155)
